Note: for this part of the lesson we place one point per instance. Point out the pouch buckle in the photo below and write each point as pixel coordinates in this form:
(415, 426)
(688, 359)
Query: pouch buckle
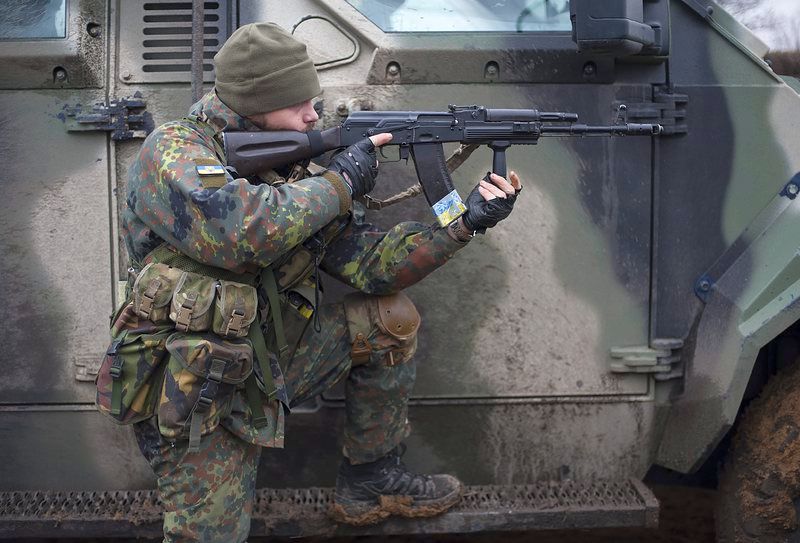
(149, 297)
(116, 365)
(207, 394)
(211, 386)
(113, 349)
(184, 315)
(361, 350)
(236, 320)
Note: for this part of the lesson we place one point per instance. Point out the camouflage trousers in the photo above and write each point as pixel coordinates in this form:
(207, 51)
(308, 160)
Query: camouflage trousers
(208, 495)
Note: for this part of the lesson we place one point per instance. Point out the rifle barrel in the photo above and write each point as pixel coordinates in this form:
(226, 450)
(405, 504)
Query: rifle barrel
(629, 129)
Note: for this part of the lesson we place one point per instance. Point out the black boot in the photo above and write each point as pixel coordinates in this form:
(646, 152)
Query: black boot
(369, 493)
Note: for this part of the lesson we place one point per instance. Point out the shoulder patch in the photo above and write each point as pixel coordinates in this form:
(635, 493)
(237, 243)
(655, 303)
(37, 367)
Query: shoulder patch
(210, 169)
(211, 172)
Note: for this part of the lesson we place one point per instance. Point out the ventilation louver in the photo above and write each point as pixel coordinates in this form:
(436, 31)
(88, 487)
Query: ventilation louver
(156, 40)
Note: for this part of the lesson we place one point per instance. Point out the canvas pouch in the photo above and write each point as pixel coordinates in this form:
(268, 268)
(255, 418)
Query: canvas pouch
(152, 291)
(235, 309)
(130, 374)
(202, 373)
(191, 302)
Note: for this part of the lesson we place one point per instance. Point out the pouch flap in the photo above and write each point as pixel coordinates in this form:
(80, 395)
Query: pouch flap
(130, 373)
(191, 302)
(198, 352)
(237, 305)
(153, 288)
(298, 266)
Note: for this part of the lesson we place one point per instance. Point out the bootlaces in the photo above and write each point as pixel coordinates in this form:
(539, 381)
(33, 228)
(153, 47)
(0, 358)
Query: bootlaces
(402, 481)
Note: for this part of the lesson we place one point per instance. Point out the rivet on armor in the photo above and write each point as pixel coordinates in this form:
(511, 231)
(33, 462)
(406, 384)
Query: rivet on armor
(59, 74)
(94, 30)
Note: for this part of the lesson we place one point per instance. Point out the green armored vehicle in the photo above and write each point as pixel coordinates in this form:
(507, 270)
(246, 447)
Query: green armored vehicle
(634, 313)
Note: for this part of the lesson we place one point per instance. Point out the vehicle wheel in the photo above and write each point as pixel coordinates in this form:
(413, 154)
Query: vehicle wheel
(760, 480)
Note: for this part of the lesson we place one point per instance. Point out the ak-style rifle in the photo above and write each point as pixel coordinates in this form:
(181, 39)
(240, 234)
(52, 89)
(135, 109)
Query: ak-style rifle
(421, 135)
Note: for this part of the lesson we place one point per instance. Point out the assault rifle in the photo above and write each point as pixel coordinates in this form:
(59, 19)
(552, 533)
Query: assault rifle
(422, 133)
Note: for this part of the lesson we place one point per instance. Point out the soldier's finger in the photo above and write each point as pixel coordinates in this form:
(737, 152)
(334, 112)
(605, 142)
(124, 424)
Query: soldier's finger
(504, 185)
(497, 192)
(380, 139)
(501, 183)
(486, 194)
(515, 181)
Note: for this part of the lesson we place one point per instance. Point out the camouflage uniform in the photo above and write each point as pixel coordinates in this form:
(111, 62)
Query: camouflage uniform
(242, 226)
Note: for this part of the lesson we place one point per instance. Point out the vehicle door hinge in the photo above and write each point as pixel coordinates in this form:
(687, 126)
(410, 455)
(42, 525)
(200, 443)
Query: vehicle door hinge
(666, 108)
(660, 358)
(125, 119)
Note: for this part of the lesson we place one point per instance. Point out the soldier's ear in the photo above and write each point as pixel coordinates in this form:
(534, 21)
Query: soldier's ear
(259, 119)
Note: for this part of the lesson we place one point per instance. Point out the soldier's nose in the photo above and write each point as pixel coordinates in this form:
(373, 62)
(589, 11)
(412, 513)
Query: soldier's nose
(310, 114)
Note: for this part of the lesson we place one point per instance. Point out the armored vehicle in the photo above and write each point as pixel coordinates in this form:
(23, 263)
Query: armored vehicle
(638, 306)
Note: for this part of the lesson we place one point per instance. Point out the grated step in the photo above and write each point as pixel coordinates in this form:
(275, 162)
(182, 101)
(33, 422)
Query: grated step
(302, 512)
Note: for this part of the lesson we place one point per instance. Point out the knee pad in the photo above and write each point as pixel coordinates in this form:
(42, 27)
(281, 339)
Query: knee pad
(382, 328)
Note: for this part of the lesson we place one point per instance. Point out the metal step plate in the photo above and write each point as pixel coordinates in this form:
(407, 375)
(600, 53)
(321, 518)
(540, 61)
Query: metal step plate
(302, 512)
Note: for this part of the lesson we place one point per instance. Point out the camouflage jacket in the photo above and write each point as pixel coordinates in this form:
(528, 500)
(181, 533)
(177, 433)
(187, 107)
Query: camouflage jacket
(242, 226)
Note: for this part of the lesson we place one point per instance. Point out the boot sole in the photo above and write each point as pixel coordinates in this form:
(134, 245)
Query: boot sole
(365, 514)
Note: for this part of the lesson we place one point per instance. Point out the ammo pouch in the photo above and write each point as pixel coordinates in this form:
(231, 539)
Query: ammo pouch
(152, 292)
(382, 328)
(202, 372)
(191, 302)
(191, 387)
(130, 375)
(194, 302)
(235, 309)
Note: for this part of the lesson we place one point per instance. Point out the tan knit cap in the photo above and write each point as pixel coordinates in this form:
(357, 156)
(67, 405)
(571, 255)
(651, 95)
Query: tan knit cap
(262, 68)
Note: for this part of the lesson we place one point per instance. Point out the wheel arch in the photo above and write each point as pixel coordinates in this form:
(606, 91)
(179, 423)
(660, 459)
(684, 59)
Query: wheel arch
(752, 296)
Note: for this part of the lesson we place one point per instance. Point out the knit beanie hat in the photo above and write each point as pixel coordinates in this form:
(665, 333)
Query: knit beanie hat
(262, 68)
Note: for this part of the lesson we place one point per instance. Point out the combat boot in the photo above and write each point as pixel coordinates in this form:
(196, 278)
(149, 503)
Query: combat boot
(369, 493)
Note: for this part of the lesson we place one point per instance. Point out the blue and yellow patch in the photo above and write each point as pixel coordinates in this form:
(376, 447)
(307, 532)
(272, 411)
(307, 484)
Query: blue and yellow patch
(210, 169)
(211, 172)
(449, 208)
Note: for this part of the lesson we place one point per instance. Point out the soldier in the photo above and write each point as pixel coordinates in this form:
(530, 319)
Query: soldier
(185, 208)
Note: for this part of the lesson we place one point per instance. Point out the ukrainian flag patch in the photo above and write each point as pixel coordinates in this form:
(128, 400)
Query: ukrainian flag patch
(210, 169)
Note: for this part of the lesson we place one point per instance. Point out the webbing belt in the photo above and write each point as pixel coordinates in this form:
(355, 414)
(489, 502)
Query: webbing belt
(207, 394)
(256, 337)
(271, 286)
(116, 374)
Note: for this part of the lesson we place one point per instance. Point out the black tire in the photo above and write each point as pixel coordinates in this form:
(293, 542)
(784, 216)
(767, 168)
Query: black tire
(760, 480)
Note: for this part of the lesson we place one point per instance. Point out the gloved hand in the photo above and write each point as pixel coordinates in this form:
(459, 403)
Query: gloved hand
(483, 213)
(358, 164)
